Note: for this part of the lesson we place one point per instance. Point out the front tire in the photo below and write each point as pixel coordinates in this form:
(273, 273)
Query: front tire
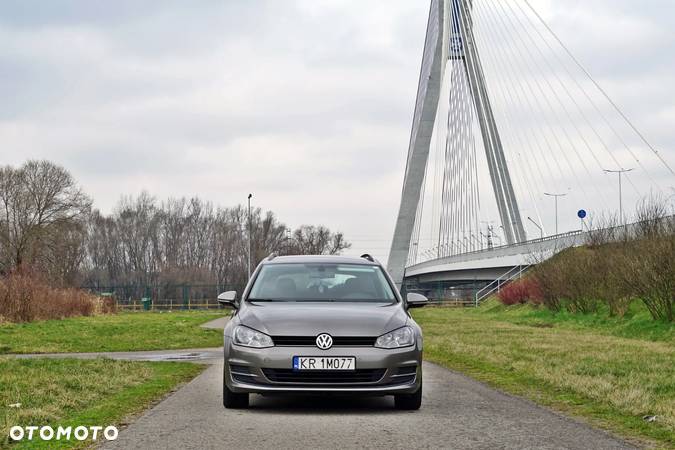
(234, 400)
(409, 402)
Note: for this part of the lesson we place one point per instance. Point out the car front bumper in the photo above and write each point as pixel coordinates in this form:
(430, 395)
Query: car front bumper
(245, 370)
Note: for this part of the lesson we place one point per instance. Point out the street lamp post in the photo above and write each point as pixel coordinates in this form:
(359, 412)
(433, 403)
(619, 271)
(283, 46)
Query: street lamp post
(620, 172)
(249, 234)
(556, 207)
(541, 231)
(288, 241)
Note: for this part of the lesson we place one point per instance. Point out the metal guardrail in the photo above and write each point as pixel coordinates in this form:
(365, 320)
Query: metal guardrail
(167, 305)
(515, 273)
(457, 302)
(161, 296)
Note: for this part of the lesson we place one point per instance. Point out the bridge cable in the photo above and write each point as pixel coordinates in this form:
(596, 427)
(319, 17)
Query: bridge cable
(517, 95)
(497, 177)
(602, 91)
(566, 90)
(547, 100)
(516, 135)
(590, 100)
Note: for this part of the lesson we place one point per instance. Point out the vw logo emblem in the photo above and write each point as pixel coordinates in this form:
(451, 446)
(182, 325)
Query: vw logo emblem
(324, 341)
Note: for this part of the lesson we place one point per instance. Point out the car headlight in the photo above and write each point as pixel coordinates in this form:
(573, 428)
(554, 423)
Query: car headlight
(401, 337)
(248, 337)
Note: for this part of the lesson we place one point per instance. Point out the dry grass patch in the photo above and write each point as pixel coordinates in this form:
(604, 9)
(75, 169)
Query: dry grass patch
(26, 297)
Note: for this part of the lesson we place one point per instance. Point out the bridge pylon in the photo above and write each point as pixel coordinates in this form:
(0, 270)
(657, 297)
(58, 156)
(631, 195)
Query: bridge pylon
(449, 36)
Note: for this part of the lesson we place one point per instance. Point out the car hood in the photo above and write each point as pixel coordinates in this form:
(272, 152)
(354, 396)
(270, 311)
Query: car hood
(310, 319)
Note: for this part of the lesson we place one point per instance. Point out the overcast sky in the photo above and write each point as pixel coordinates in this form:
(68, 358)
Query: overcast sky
(305, 103)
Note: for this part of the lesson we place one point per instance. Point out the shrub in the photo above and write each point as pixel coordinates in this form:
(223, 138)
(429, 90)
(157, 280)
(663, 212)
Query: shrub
(650, 275)
(614, 273)
(653, 218)
(25, 297)
(645, 266)
(618, 265)
(611, 261)
(570, 279)
(550, 280)
(521, 291)
(602, 230)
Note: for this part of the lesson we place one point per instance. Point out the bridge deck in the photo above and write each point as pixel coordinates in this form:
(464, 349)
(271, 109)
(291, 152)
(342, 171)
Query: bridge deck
(486, 263)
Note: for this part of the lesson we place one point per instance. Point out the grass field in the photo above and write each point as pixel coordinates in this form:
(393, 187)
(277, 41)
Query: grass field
(70, 392)
(636, 324)
(112, 332)
(612, 372)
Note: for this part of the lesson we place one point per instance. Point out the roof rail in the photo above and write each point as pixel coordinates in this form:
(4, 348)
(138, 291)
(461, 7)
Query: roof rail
(271, 256)
(368, 257)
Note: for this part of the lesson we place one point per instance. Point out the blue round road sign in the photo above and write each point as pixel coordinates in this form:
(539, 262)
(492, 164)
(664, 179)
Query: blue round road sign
(581, 213)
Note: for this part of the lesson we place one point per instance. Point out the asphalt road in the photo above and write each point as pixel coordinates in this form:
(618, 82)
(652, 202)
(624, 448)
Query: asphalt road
(457, 413)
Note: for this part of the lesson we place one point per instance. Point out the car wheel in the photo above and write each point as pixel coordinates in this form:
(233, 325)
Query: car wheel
(409, 401)
(234, 400)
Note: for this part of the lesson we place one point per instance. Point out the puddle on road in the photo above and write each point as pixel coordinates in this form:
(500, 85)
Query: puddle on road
(182, 357)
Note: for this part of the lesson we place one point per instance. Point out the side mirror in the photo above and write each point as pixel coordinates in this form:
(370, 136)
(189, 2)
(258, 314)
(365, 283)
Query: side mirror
(228, 298)
(415, 300)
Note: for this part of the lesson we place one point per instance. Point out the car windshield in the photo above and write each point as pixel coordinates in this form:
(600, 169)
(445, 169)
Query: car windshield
(321, 282)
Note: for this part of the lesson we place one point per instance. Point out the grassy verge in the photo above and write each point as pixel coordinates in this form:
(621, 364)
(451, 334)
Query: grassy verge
(70, 392)
(612, 373)
(113, 332)
(637, 323)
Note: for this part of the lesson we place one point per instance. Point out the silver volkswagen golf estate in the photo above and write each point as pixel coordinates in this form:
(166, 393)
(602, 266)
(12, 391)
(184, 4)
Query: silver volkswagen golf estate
(322, 324)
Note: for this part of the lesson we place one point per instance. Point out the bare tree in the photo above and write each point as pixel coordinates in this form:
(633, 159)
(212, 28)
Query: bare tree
(181, 241)
(46, 224)
(317, 240)
(652, 217)
(38, 201)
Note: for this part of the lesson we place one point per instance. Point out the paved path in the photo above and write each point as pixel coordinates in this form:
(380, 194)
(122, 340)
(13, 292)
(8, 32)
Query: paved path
(201, 355)
(457, 412)
(217, 323)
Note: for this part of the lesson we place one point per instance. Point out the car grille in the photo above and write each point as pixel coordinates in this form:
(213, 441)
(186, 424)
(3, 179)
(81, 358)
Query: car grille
(310, 341)
(324, 377)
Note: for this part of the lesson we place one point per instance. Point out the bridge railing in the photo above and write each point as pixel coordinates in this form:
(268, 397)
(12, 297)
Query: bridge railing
(514, 273)
(616, 232)
(553, 237)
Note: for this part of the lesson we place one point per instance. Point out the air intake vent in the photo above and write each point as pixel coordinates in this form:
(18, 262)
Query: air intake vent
(324, 377)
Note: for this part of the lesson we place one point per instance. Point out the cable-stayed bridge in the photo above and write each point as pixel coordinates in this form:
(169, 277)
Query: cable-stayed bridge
(515, 148)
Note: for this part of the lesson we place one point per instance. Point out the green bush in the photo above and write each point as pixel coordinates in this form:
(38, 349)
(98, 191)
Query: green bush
(570, 280)
(614, 274)
(649, 273)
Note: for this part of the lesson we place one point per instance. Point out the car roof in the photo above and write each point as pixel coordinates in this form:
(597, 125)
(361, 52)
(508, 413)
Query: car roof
(318, 259)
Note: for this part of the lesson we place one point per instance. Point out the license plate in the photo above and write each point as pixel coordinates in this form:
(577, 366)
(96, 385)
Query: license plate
(324, 363)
